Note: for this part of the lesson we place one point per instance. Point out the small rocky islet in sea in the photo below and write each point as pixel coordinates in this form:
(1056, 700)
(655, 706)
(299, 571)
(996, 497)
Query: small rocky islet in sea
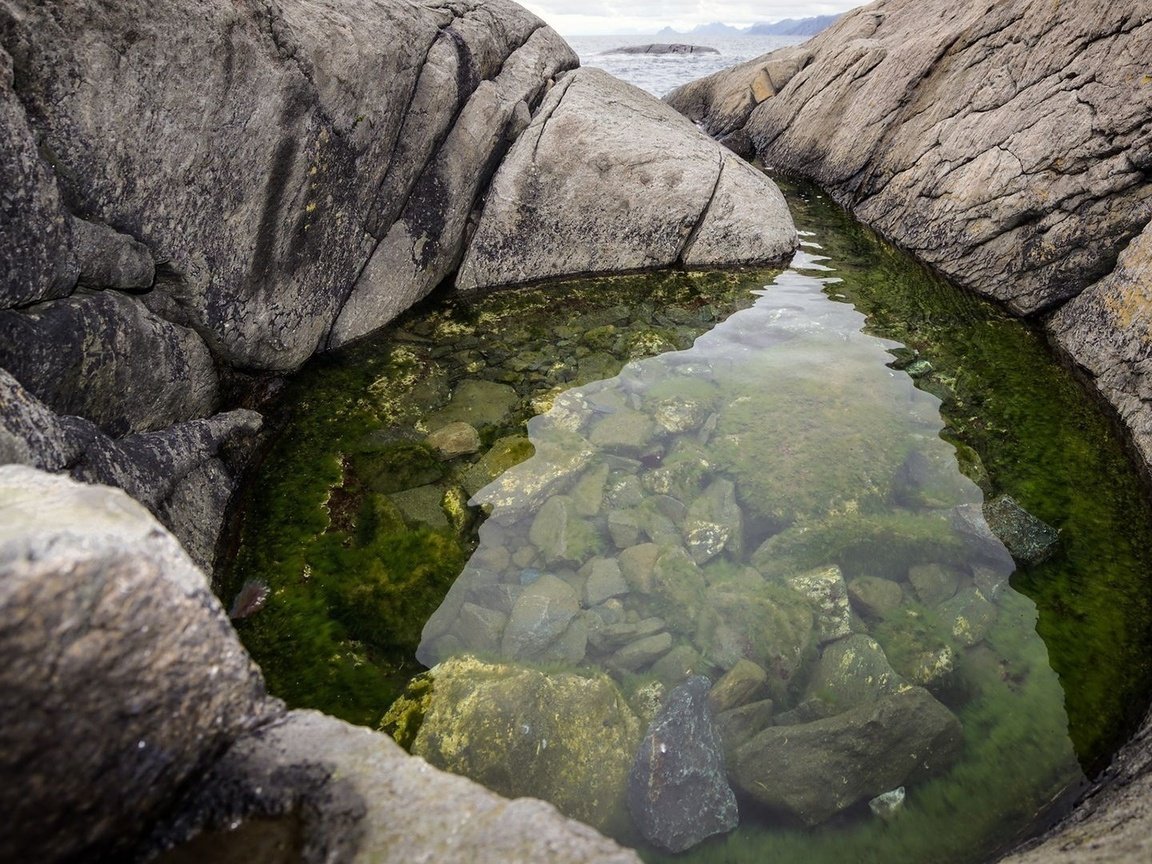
(771, 513)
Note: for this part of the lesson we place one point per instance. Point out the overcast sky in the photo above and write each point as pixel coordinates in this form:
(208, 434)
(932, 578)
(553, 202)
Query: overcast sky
(584, 17)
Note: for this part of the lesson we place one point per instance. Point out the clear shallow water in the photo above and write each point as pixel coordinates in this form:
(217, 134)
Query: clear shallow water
(790, 413)
(660, 74)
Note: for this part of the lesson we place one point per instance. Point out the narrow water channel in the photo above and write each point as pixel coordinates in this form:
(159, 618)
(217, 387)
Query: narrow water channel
(906, 551)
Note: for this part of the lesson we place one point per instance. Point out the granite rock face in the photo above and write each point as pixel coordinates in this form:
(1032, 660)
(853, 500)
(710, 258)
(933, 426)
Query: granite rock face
(122, 677)
(263, 152)
(184, 474)
(82, 355)
(1005, 143)
(1107, 330)
(586, 167)
(720, 103)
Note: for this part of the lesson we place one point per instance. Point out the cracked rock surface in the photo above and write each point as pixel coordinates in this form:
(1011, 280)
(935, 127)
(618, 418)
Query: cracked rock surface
(1008, 144)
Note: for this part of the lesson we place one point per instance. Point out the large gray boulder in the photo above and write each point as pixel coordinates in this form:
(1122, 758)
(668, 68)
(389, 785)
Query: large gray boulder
(122, 678)
(1005, 143)
(262, 152)
(587, 189)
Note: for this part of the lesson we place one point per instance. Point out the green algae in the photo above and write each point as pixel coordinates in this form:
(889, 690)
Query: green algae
(350, 581)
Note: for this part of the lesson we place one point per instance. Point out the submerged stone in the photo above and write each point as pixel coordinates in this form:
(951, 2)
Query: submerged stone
(604, 581)
(886, 806)
(566, 738)
(640, 654)
(933, 583)
(539, 616)
(970, 614)
(422, 504)
(875, 597)
(678, 793)
(476, 402)
(814, 771)
(502, 455)
(560, 534)
(828, 593)
(738, 686)
(1027, 538)
(454, 440)
(714, 523)
(625, 431)
(851, 673)
(769, 625)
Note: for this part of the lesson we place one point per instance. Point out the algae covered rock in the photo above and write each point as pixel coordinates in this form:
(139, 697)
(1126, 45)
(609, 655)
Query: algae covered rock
(828, 595)
(477, 403)
(851, 673)
(768, 625)
(678, 793)
(566, 738)
(560, 533)
(815, 770)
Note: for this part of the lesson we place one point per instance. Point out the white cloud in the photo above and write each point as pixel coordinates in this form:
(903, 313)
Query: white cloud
(648, 16)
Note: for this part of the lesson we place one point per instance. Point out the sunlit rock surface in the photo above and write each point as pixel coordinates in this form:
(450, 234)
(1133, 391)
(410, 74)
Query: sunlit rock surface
(586, 168)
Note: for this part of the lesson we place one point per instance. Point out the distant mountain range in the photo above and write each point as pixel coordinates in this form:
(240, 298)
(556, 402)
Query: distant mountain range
(787, 27)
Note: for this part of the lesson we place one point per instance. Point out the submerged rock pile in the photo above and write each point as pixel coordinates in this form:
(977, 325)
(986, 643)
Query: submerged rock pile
(644, 551)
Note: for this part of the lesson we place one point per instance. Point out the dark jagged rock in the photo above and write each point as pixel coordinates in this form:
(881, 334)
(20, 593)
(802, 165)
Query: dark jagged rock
(185, 473)
(1027, 538)
(662, 48)
(677, 790)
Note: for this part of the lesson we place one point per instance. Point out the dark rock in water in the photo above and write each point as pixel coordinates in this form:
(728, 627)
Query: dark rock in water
(1027, 538)
(677, 791)
(814, 771)
(969, 520)
(662, 48)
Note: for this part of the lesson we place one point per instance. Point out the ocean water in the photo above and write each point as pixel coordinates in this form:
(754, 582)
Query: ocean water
(662, 73)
